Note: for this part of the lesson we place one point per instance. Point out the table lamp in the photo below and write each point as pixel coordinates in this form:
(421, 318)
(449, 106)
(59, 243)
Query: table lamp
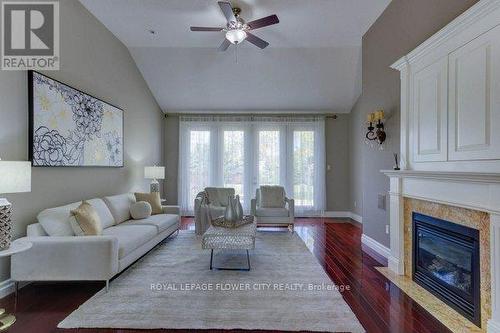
(154, 173)
(15, 177)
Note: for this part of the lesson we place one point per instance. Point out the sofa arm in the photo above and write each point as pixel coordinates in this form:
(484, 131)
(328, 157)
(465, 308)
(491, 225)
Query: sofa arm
(253, 208)
(66, 258)
(291, 207)
(171, 210)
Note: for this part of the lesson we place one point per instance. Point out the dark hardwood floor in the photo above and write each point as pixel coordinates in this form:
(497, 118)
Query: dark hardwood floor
(379, 304)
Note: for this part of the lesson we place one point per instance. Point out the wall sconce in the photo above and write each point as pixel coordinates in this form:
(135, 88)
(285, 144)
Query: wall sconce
(379, 135)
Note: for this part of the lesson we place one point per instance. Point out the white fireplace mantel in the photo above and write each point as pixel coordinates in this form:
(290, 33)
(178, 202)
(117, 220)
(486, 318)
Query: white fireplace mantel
(472, 190)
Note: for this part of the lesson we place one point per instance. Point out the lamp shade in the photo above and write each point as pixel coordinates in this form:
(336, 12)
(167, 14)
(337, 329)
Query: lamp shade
(154, 172)
(15, 177)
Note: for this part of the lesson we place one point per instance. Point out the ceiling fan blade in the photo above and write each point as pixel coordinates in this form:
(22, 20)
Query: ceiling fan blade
(256, 41)
(263, 22)
(206, 29)
(227, 10)
(225, 44)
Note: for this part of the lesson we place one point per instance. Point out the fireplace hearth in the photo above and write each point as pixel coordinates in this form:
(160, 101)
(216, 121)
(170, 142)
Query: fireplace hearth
(446, 263)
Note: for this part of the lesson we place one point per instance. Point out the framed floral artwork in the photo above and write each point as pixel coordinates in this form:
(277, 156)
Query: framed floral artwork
(69, 128)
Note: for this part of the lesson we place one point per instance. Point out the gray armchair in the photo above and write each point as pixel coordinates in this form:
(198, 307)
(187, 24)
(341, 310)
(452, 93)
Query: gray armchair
(272, 207)
(208, 205)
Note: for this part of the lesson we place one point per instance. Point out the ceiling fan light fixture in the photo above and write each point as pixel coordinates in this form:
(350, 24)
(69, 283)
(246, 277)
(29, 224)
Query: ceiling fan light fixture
(236, 36)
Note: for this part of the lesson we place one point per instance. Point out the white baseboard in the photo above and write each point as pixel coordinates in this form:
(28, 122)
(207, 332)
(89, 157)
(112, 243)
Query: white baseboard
(384, 251)
(344, 214)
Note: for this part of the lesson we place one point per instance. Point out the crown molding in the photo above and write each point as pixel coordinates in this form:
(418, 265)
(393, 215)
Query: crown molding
(473, 14)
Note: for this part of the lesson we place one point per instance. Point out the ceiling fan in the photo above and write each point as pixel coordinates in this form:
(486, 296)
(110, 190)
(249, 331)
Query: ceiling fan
(237, 30)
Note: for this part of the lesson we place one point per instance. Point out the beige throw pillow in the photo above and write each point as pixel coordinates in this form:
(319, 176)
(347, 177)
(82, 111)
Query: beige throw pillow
(88, 220)
(153, 199)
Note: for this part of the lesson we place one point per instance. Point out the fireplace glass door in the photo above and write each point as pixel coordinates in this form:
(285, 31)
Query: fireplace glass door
(446, 263)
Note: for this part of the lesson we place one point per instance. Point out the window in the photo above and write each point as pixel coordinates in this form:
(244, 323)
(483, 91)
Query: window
(269, 158)
(249, 152)
(233, 165)
(303, 168)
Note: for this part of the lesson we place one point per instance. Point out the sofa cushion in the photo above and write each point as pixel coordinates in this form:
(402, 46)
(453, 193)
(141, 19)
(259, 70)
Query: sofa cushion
(272, 212)
(55, 221)
(130, 237)
(218, 196)
(272, 197)
(103, 211)
(161, 221)
(119, 205)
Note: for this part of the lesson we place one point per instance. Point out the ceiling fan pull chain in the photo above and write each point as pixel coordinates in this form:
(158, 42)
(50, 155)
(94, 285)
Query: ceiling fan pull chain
(236, 53)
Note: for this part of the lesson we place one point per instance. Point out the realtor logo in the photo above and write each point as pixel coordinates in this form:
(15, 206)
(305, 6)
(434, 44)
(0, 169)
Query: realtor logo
(30, 38)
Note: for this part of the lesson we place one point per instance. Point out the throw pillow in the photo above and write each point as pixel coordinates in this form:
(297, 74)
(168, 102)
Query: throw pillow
(140, 210)
(88, 219)
(153, 199)
(75, 226)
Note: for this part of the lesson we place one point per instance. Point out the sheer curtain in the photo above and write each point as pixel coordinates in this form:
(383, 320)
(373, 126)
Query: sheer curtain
(244, 152)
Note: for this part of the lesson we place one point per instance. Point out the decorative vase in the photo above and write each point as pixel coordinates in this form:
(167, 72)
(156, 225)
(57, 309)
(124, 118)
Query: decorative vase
(239, 208)
(230, 213)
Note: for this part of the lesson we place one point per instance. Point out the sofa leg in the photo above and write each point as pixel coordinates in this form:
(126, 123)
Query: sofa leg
(107, 285)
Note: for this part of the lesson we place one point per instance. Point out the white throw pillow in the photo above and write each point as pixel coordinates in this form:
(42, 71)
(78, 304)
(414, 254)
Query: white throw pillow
(119, 205)
(140, 210)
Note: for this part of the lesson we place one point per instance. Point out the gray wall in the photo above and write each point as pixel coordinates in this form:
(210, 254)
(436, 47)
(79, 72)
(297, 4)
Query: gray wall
(337, 156)
(403, 26)
(92, 60)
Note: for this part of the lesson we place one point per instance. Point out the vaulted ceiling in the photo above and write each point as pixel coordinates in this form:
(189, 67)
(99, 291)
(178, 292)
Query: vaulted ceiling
(313, 61)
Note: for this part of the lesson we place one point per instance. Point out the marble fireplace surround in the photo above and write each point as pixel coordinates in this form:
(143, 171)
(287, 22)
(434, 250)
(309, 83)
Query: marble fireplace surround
(471, 199)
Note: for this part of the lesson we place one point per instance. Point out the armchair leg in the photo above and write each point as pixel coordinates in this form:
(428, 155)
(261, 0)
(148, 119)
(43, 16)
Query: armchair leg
(107, 285)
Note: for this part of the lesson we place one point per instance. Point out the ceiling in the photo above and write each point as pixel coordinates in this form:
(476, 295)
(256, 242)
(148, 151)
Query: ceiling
(313, 62)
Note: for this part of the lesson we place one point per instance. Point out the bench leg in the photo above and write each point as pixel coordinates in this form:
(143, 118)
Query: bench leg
(211, 258)
(229, 269)
(248, 260)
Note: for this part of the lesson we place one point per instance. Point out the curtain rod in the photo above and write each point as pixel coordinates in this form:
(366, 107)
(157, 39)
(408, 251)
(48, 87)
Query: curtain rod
(326, 115)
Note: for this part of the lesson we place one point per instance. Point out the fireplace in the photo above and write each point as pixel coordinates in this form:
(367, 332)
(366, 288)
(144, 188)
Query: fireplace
(446, 263)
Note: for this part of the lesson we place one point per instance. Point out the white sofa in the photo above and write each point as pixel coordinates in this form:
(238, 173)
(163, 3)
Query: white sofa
(58, 255)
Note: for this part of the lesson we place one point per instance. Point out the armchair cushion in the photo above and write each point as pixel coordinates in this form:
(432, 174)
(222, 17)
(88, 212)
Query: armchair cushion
(217, 196)
(216, 211)
(272, 197)
(272, 212)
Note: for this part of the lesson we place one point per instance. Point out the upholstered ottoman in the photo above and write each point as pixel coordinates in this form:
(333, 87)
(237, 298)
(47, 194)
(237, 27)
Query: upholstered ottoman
(220, 238)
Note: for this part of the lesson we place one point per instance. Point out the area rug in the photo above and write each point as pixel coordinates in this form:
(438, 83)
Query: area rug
(172, 287)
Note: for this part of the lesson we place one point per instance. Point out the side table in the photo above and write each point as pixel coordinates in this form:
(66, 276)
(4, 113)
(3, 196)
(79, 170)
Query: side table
(7, 320)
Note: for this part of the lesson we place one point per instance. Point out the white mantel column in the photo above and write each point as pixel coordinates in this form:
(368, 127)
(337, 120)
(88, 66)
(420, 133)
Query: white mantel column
(396, 217)
(494, 322)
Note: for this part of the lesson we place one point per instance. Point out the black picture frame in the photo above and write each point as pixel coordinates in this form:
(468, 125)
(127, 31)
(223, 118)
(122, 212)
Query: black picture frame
(31, 125)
